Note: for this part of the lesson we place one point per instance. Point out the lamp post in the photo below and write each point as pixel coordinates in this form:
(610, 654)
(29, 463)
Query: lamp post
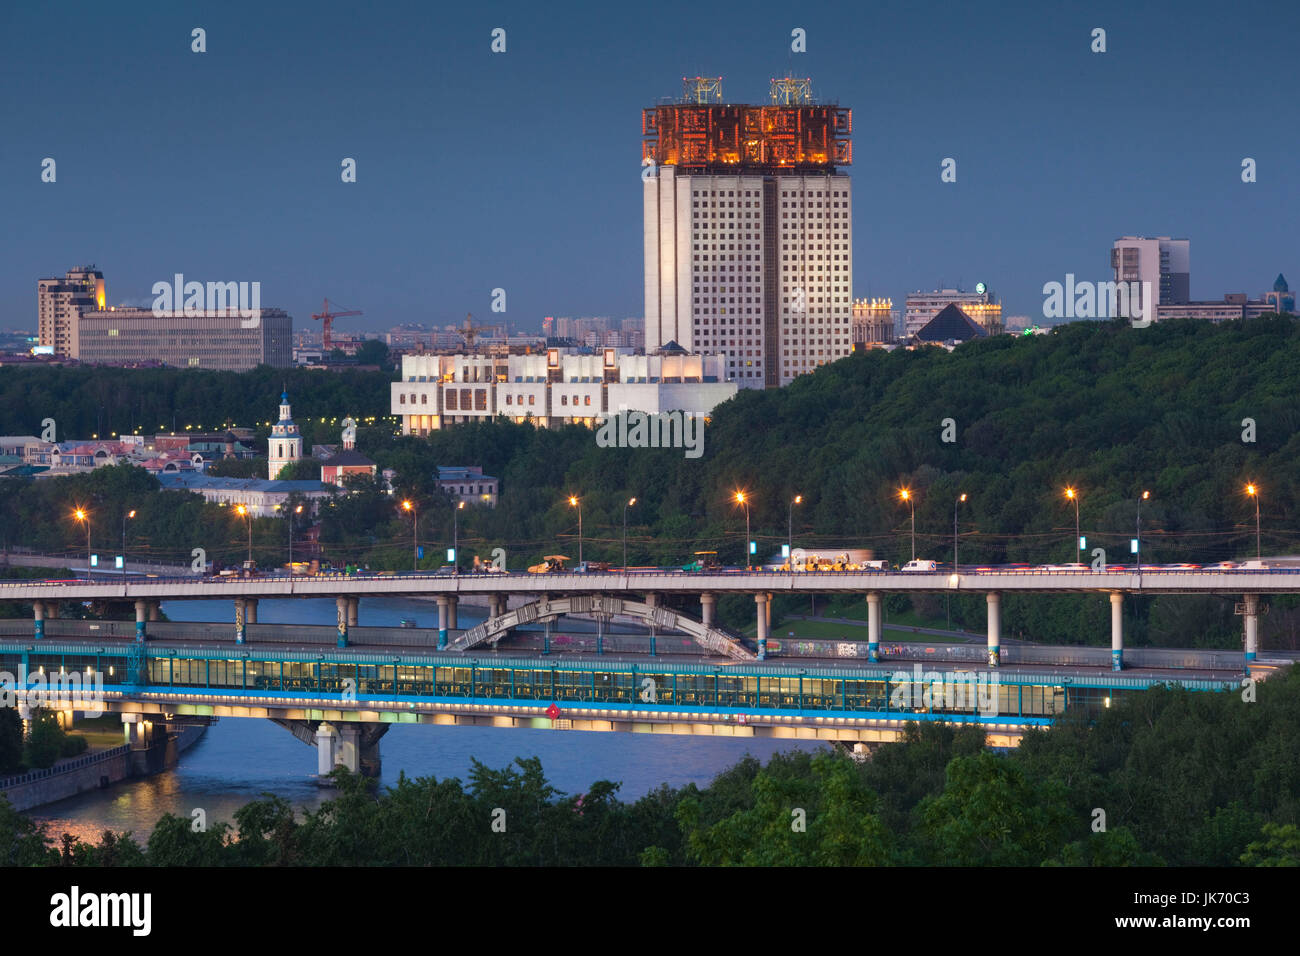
(743, 501)
(455, 536)
(1074, 496)
(128, 514)
(789, 530)
(630, 503)
(1143, 497)
(414, 509)
(1253, 491)
(295, 511)
(576, 502)
(248, 520)
(82, 515)
(960, 499)
(906, 495)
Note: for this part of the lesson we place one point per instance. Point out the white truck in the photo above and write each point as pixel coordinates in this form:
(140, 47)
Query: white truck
(920, 564)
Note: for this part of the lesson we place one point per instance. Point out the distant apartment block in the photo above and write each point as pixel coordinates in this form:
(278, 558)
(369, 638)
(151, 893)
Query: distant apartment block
(1163, 262)
(554, 388)
(469, 484)
(220, 340)
(59, 303)
(980, 307)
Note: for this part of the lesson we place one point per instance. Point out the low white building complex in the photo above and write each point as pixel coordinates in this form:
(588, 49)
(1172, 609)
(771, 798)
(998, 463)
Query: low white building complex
(555, 387)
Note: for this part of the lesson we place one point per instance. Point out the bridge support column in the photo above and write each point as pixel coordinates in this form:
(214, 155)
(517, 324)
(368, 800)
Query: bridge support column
(767, 612)
(708, 607)
(354, 611)
(873, 626)
(348, 752)
(1252, 629)
(155, 610)
(1116, 631)
(441, 600)
(141, 615)
(995, 628)
(452, 623)
(325, 743)
(38, 613)
(761, 600)
(240, 628)
(250, 610)
(51, 610)
(494, 606)
(341, 606)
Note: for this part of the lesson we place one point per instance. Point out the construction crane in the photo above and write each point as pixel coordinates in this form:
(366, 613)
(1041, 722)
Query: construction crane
(328, 318)
(469, 331)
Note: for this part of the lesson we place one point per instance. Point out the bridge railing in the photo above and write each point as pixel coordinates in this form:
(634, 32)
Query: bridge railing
(62, 766)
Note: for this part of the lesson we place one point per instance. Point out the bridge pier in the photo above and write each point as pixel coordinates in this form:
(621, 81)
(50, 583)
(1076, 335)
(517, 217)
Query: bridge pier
(762, 600)
(141, 615)
(708, 607)
(325, 744)
(155, 610)
(354, 611)
(441, 601)
(38, 613)
(1116, 630)
(51, 610)
(994, 600)
(452, 622)
(873, 626)
(496, 605)
(250, 610)
(240, 628)
(341, 605)
(1252, 628)
(652, 600)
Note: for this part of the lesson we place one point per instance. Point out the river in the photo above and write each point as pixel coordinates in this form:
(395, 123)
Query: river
(239, 759)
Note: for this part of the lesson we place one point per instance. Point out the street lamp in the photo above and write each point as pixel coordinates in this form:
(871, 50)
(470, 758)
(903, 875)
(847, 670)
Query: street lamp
(1145, 496)
(414, 509)
(455, 536)
(576, 502)
(296, 511)
(789, 530)
(743, 501)
(128, 514)
(906, 495)
(81, 514)
(630, 503)
(1253, 491)
(248, 519)
(1074, 496)
(960, 499)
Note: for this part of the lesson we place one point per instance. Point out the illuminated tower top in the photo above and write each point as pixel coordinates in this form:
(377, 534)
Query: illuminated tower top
(702, 134)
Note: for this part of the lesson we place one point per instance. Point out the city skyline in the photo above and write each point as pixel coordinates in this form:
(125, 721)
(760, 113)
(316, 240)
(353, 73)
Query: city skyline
(227, 173)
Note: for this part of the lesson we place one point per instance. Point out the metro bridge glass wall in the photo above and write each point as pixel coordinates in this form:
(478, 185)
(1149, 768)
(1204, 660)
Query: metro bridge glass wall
(617, 684)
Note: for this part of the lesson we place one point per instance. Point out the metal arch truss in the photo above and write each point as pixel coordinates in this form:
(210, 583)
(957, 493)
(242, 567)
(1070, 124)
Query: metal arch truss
(711, 638)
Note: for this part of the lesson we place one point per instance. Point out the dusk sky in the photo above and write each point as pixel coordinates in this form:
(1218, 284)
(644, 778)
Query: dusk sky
(521, 170)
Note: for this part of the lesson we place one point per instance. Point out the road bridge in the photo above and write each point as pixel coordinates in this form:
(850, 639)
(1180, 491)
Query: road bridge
(641, 593)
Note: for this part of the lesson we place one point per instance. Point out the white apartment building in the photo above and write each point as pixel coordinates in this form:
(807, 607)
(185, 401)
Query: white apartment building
(552, 388)
(1163, 262)
(758, 267)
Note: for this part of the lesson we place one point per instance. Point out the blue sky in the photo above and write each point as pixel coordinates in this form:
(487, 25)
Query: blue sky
(521, 170)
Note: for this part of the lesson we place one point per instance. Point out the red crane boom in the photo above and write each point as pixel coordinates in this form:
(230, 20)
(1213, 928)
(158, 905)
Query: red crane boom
(329, 318)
